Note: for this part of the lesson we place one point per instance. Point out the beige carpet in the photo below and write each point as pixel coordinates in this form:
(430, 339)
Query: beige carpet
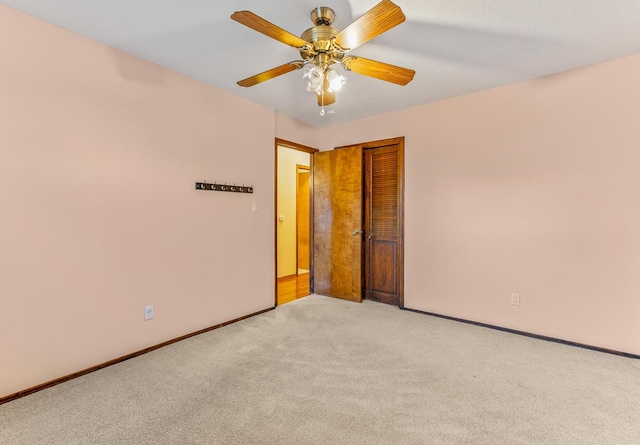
(324, 371)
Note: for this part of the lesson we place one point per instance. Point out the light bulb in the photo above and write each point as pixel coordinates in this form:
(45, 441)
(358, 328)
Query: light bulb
(335, 81)
(314, 77)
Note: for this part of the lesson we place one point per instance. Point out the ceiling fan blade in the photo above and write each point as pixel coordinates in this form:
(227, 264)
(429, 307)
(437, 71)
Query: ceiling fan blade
(270, 74)
(329, 96)
(267, 28)
(381, 18)
(378, 70)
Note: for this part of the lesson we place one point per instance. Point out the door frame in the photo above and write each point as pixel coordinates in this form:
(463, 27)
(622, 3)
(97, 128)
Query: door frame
(308, 169)
(294, 146)
(400, 254)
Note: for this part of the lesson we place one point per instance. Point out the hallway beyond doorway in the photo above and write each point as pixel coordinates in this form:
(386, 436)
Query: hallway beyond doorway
(292, 288)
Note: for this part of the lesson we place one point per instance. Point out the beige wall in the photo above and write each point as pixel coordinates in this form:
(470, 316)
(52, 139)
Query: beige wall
(287, 161)
(99, 152)
(530, 188)
(293, 130)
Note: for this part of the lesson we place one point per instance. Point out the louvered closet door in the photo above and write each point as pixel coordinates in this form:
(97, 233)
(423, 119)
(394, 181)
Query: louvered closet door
(382, 224)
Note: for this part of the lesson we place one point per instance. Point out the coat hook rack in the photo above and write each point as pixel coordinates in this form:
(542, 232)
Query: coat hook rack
(215, 187)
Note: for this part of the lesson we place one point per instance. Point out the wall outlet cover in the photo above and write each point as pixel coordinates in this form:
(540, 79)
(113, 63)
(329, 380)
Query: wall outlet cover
(148, 312)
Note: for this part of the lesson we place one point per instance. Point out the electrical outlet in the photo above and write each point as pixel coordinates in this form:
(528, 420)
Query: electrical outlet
(254, 207)
(515, 299)
(148, 312)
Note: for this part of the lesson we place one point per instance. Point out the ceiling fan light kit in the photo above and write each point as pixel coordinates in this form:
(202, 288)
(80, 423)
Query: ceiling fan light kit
(322, 46)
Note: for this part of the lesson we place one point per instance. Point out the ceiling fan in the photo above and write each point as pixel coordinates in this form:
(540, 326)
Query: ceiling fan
(322, 46)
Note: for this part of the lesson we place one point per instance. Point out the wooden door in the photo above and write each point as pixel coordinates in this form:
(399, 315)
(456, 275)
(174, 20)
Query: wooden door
(383, 223)
(337, 216)
(383, 220)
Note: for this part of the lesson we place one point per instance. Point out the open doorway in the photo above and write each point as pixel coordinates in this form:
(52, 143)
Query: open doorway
(356, 222)
(293, 221)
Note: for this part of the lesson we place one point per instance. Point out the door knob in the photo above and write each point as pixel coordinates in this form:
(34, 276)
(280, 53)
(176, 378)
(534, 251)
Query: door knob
(356, 232)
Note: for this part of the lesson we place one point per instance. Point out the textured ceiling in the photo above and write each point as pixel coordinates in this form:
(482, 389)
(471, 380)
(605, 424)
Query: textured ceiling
(455, 46)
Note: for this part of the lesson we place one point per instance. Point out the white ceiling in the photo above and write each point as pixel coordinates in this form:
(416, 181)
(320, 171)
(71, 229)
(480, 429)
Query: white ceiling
(455, 46)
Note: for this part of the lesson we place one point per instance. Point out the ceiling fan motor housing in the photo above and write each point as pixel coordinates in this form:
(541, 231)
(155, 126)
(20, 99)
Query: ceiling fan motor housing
(320, 37)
